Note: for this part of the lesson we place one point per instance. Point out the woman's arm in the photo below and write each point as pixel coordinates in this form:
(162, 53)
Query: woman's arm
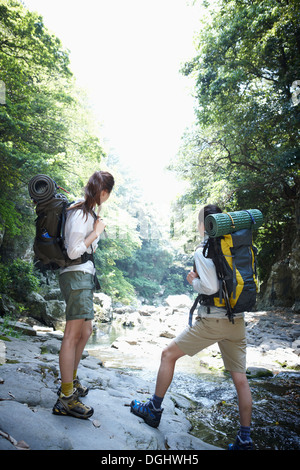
(205, 281)
(99, 227)
(76, 234)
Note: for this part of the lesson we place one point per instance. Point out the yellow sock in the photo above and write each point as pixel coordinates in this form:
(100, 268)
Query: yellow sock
(74, 374)
(67, 388)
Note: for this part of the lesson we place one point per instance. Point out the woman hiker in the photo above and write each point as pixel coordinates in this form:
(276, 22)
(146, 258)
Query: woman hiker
(210, 327)
(77, 282)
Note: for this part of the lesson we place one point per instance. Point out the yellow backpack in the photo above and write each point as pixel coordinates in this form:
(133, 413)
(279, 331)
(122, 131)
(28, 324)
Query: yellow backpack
(234, 257)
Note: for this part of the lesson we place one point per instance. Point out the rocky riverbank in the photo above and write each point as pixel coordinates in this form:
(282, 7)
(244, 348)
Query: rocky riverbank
(28, 386)
(29, 378)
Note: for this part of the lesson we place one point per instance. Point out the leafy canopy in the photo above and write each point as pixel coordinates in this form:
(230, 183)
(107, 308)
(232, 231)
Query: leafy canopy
(243, 151)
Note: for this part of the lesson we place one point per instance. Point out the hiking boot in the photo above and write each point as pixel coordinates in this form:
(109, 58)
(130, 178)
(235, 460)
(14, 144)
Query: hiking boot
(147, 411)
(79, 389)
(72, 406)
(241, 445)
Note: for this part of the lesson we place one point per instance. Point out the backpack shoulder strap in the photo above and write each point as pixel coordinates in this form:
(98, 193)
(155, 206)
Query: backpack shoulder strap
(213, 250)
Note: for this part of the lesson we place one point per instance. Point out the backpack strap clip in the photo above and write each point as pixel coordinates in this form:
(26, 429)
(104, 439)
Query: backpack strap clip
(232, 221)
(197, 300)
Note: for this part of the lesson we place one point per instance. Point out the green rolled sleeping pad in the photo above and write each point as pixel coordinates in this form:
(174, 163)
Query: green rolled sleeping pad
(224, 223)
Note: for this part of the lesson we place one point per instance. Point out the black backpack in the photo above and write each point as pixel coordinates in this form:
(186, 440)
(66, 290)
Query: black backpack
(51, 206)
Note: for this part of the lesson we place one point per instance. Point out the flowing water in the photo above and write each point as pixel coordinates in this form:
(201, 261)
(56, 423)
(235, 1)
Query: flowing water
(214, 415)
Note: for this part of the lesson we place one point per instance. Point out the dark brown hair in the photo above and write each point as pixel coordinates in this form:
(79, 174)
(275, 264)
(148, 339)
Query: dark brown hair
(99, 181)
(207, 210)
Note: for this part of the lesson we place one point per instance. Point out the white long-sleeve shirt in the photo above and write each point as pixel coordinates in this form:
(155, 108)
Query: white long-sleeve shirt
(77, 228)
(207, 283)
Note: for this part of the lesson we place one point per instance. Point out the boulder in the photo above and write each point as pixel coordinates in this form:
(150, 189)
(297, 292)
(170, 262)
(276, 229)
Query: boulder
(28, 391)
(179, 301)
(7, 306)
(103, 300)
(21, 328)
(102, 307)
(283, 286)
(48, 312)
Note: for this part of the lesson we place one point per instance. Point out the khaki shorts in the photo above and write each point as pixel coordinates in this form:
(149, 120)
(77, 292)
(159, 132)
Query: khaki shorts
(231, 339)
(77, 289)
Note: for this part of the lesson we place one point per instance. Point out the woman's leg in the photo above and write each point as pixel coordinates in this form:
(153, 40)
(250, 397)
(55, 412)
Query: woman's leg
(86, 332)
(75, 338)
(151, 411)
(244, 396)
(166, 370)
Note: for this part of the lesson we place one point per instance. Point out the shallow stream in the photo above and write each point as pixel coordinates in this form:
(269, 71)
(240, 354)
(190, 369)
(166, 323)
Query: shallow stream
(214, 416)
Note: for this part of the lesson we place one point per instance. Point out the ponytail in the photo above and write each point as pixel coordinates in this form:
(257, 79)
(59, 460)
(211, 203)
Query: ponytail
(98, 182)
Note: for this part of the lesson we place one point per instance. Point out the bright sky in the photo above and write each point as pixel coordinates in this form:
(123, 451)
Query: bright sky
(127, 55)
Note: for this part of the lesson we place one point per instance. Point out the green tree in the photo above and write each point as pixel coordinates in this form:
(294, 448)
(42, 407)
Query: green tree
(44, 125)
(244, 151)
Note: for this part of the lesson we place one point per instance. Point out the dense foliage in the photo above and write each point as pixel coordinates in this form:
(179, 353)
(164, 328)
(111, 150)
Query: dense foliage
(137, 258)
(46, 127)
(243, 151)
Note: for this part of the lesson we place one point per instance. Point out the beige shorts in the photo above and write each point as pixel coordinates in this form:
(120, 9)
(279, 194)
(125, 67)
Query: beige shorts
(231, 339)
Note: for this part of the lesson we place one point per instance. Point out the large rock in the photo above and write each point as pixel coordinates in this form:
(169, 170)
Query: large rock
(103, 300)
(7, 306)
(35, 428)
(48, 312)
(178, 301)
(102, 307)
(29, 381)
(295, 274)
(283, 286)
(19, 327)
(278, 291)
(28, 389)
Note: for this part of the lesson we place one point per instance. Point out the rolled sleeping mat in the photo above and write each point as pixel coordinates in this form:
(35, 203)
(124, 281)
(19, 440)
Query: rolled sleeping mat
(42, 188)
(224, 223)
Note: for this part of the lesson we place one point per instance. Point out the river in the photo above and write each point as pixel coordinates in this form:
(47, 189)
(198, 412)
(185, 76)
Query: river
(214, 415)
